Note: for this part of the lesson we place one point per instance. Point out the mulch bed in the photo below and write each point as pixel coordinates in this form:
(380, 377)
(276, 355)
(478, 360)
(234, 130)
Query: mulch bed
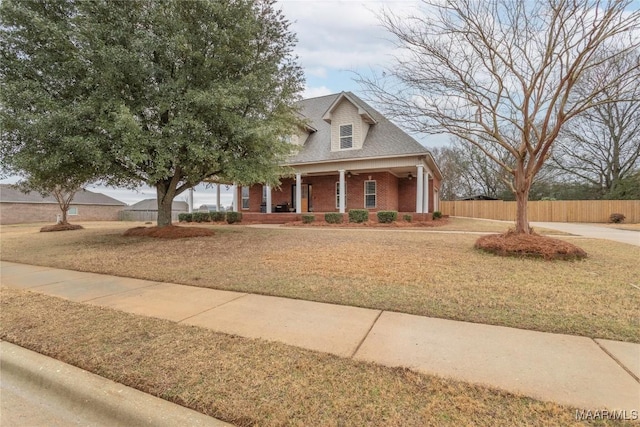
(169, 232)
(61, 227)
(529, 245)
(375, 224)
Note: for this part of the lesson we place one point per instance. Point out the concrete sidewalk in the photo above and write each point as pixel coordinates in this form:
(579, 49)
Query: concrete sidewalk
(593, 231)
(578, 371)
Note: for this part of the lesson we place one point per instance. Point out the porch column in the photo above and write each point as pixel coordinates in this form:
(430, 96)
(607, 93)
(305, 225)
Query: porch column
(426, 193)
(341, 187)
(298, 192)
(420, 189)
(235, 197)
(436, 200)
(190, 200)
(268, 200)
(217, 197)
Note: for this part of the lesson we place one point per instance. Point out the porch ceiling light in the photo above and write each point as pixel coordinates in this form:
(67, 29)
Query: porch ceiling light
(348, 174)
(410, 177)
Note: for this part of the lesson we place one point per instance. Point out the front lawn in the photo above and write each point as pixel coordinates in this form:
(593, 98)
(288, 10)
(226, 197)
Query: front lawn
(424, 273)
(254, 382)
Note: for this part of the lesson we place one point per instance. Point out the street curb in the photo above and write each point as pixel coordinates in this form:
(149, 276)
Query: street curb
(96, 397)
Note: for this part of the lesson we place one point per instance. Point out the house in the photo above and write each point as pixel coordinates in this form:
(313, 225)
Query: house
(147, 210)
(350, 157)
(210, 208)
(17, 207)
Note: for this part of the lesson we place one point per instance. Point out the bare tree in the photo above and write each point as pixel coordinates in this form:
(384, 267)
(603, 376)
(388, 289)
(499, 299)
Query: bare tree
(602, 145)
(466, 172)
(503, 73)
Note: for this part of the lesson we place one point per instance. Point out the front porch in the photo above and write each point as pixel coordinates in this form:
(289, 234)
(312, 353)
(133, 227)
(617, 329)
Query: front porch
(374, 190)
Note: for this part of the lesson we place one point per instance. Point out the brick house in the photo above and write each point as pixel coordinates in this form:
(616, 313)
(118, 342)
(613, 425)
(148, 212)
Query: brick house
(17, 207)
(349, 148)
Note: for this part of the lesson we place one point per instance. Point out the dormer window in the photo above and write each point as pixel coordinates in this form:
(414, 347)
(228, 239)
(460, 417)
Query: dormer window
(346, 137)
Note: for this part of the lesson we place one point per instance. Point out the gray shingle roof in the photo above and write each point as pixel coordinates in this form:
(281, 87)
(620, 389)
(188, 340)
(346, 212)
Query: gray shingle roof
(10, 194)
(152, 205)
(384, 139)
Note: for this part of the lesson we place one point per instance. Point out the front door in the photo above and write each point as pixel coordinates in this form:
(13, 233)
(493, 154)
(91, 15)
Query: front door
(305, 203)
(305, 197)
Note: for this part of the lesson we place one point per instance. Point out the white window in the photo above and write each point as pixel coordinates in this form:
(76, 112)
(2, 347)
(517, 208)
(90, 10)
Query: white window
(245, 197)
(369, 194)
(72, 211)
(346, 137)
(338, 194)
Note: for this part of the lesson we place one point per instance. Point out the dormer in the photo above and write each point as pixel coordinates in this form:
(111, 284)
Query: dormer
(350, 123)
(303, 132)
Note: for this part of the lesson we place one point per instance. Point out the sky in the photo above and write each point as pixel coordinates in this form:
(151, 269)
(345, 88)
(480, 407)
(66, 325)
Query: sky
(336, 40)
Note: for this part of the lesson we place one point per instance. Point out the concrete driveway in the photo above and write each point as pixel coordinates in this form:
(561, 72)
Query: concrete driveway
(593, 231)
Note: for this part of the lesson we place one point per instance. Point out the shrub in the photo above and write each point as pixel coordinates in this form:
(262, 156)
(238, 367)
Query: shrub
(387, 217)
(407, 218)
(437, 215)
(333, 218)
(217, 216)
(233, 217)
(308, 219)
(185, 217)
(616, 218)
(358, 215)
(201, 217)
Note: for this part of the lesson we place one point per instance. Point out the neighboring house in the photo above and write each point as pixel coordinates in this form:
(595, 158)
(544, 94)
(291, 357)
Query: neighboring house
(147, 210)
(350, 157)
(17, 207)
(210, 208)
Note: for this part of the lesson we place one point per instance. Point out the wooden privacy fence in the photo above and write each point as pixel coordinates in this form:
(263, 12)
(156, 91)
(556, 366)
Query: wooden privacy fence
(557, 210)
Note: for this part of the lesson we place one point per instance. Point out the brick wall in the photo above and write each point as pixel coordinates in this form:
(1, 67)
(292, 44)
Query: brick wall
(395, 194)
(20, 213)
(407, 195)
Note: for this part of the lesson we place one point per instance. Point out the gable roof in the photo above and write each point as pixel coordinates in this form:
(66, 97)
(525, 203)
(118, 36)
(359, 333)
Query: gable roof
(152, 205)
(384, 138)
(362, 110)
(10, 194)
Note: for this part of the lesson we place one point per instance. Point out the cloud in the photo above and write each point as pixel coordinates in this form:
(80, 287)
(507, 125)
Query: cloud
(314, 92)
(341, 34)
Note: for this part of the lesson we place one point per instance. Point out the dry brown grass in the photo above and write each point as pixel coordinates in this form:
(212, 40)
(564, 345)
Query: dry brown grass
(530, 246)
(168, 232)
(253, 382)
(623, 226)
(438, 275)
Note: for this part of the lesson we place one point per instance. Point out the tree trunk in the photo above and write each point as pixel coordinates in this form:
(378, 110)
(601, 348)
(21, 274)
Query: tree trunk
(165, 204)
(64, 201)
(522, 188)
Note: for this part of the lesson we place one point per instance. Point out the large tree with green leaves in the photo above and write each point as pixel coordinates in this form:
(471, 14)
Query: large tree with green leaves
(504, 74)
(45, 128)
(181, 92)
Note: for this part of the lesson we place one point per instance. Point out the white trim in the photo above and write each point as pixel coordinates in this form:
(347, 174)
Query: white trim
(425, 208)
(343, 192)
(298, 193)
(268, 201)
(375, 194)
(218, 197)
(71, 210)
(419, 188)
(234, 203)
